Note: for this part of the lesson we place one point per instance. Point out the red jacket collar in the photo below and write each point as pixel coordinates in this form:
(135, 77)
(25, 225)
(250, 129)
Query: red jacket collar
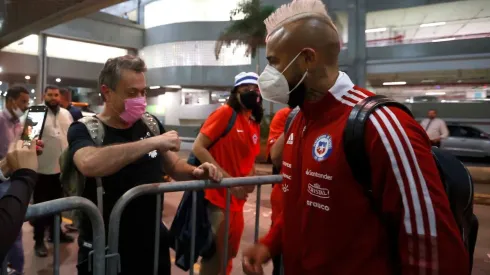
(330, 102)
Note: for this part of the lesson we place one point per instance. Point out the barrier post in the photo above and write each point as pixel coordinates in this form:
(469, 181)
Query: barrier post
(257, 213)
(56, 241)
(57, 206)
(157, 188)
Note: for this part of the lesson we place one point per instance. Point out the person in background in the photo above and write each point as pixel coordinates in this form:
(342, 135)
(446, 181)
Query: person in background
(235, 155)
(275, 144)
(328, 224)
(17, 102)
(48, 185)
(130, 156)
(65, 102)
(21, 165)
(435, 127)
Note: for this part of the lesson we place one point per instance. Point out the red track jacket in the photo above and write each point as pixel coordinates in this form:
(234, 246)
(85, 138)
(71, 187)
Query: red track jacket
(328, 226)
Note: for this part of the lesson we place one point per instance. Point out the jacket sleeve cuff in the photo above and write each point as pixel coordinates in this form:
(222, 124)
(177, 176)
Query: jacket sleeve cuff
(273, 239)
(26, 175)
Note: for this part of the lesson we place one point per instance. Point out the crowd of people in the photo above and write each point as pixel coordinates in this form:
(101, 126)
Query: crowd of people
(322, 221)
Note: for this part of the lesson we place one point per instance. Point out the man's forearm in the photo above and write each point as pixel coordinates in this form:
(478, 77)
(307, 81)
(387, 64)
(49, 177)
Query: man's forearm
(276, 152)
(104, 161)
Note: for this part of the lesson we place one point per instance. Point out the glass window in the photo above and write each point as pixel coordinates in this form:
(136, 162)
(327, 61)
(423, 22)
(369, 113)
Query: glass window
(193, 53)
(164, 12)
(219, 97)
(470, 132)
(195, 97)
(428, 23)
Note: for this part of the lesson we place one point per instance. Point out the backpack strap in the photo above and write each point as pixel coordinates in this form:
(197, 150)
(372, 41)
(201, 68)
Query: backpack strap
(151, 123)
(354, 142)
(97, 132)
(292, 115)
(228, 128)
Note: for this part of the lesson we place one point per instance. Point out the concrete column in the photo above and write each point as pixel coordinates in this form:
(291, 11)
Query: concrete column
(42, 73)
(356, 46)
(141, 13)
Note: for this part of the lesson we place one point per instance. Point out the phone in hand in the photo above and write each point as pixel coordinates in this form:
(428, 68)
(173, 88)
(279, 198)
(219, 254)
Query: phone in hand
(34, 123)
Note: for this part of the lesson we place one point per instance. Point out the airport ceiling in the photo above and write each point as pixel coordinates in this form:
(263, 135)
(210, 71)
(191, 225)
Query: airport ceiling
(20, 18)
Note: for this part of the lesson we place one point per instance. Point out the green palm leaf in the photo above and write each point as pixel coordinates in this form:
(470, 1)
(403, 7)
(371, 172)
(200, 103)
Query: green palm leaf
(249, 31)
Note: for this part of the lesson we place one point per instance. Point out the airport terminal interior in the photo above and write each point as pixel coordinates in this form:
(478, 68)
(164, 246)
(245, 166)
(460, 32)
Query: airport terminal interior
(426, 54)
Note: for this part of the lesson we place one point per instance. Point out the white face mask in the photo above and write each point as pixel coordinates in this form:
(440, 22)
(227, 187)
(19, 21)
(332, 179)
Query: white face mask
(274, 86)
(18, 112)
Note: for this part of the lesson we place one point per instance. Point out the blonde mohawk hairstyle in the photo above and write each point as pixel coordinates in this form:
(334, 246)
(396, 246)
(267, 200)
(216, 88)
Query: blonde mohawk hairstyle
(295, 10)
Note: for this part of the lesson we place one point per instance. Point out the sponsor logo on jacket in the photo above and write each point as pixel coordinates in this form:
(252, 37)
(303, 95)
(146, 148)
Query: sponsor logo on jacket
(316, 190)
(318, 205)
(318, 175)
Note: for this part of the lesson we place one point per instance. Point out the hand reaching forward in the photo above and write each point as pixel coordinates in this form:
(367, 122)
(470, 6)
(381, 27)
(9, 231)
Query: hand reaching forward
(208, 171)
(253, 259)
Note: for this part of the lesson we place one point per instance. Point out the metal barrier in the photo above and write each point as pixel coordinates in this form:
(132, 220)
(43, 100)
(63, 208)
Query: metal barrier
(55, 207)
(113, 265)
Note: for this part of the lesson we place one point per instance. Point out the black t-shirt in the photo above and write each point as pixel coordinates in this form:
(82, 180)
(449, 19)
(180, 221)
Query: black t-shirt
(138, 219)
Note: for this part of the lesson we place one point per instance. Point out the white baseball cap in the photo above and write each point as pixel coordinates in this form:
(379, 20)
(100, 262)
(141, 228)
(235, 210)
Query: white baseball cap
(246, 78)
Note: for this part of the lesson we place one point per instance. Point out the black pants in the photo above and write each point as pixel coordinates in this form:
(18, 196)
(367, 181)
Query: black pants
(48, 187)
(134, 260)
(277, 265)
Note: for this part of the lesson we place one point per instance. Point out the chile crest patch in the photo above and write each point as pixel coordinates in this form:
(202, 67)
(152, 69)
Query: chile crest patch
(322, 148)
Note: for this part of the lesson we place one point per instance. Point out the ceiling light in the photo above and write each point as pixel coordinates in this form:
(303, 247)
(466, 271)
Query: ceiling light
(33, 91)
(394, 83)
(435, 24)
(435, 93)
(1, 69)
(5, 94)
(1, 82)
(376, 30)
(459, 81)
(221, 100)
(154, 87)
(34, 97)
(173, 86)
(100, 94)
(444, 39)
(427, 81)
(27, 77)
(58, 80)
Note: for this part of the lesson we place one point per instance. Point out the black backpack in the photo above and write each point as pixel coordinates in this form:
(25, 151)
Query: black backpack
(457, 181)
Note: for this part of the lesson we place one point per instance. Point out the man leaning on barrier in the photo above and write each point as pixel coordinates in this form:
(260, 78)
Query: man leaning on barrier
(131, 155)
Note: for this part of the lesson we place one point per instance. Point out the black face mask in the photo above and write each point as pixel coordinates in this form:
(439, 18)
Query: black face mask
(250, 99)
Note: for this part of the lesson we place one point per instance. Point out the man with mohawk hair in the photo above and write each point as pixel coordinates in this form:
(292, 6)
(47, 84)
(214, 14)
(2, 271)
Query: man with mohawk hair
(328, 225)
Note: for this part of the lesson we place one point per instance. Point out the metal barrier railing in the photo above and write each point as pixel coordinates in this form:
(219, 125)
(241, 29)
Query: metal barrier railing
(55, 207)
(113, 264)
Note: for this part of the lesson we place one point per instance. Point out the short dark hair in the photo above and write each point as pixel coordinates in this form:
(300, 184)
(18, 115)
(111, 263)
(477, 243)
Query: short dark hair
(51, 87)
(15, 91)
(65, 92)
(111, 73)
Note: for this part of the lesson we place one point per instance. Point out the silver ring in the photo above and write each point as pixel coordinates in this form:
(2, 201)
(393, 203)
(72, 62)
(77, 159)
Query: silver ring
(26, 144)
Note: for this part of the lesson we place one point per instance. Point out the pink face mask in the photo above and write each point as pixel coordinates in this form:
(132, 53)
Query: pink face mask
(134, 108)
